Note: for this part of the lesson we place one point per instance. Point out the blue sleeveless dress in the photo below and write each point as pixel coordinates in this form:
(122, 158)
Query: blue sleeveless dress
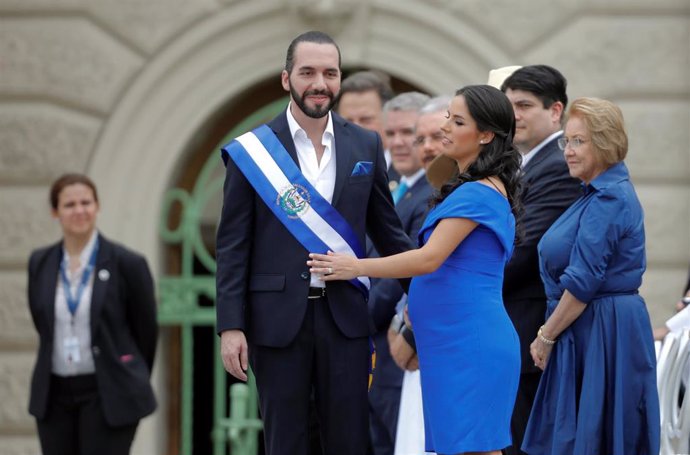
(469, 352)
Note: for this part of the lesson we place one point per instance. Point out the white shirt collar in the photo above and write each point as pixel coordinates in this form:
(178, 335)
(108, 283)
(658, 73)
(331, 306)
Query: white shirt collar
(528, 156)
(412, 179)
(85, 254)
(296, 130)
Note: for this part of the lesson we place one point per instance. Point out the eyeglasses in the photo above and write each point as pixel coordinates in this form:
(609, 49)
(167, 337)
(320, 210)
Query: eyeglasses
(420, 140)
(574, 143)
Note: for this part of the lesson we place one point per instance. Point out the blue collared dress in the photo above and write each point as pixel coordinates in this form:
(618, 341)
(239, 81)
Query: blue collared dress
(469, 352)
(598, 392)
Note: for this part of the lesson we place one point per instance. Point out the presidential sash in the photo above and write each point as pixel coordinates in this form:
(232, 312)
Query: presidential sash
(277, 179)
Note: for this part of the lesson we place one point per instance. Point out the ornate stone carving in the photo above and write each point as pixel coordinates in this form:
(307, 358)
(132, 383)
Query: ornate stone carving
(40, 142)
(331, 16)
(25, 223)
(65, 60)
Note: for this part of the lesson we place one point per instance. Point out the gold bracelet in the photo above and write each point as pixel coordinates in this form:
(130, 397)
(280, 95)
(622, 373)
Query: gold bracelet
(543, 339)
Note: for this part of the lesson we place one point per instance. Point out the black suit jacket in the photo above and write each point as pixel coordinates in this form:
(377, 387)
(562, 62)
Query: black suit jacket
(123, 330)
(393, 176)
(262, 276)
(386, 293)
(547, 190)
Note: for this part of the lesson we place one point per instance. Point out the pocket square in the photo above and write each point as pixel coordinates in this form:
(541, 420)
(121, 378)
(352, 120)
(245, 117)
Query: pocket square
(362, 168)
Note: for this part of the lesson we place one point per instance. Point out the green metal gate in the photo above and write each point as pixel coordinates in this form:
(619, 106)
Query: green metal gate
(179, 304)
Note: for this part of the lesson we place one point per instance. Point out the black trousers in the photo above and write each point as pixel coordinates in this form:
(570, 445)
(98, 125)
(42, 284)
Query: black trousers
(523, 406)
(323, 361)
(384, 404)
(74, 423)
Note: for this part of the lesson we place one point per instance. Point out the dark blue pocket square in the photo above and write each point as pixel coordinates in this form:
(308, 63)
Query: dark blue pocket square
(362, 168)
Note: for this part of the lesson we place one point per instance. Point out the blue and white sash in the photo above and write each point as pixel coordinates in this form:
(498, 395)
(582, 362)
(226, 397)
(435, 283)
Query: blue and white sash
(281, 185)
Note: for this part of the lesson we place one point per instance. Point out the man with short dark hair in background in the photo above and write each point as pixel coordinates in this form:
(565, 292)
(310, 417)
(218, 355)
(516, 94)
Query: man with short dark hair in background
(538, 96)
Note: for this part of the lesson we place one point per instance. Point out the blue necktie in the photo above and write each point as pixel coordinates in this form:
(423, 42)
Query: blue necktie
(399, 192)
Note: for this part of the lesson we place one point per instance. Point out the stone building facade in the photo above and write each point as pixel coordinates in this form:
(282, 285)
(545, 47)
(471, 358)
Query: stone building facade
(123, 90)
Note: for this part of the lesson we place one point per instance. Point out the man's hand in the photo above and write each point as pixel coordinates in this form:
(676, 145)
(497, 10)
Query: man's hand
(391, 335)
(233, 351)
(413, 364)
(403, 354)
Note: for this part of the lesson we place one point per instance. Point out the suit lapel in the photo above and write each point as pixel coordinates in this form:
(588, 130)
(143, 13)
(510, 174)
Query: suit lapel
(343, 147)
(541, 155)
(280, 127)
(343, 157)
(101, 279)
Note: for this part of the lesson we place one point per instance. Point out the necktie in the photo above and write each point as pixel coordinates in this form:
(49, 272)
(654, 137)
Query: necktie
(399, 192)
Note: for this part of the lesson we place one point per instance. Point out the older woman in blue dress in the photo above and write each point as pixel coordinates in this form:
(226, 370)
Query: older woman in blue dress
(598, 393)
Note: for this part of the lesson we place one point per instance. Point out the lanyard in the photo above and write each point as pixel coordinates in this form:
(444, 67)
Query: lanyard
(73, 301)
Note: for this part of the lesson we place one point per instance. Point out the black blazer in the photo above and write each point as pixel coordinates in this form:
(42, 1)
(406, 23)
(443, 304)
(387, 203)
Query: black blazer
(386, 293)
(547, 190)
(123, 330)
(262, 277)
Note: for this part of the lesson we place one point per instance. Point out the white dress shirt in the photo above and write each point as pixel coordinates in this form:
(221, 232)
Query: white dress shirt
(78, 326)
(321, 175)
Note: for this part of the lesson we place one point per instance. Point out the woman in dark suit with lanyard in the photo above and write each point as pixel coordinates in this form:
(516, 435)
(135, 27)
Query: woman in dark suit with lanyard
(92, 303)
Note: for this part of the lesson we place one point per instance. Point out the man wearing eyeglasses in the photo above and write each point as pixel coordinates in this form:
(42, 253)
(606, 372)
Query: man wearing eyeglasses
(538, 96)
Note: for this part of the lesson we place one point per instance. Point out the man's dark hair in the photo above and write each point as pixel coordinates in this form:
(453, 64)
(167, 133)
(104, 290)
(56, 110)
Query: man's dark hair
(308, 37)
(543, 81)
(365, 81)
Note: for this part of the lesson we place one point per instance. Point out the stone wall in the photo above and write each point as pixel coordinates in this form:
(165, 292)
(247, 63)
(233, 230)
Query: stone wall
(98, 86)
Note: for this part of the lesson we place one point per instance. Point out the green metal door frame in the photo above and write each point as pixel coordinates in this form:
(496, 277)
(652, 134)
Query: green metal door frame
(179, 307)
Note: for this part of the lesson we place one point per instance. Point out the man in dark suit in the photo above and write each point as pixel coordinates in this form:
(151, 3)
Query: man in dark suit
(538, 96)
(361, 100)
(299, 334)
(411, 198)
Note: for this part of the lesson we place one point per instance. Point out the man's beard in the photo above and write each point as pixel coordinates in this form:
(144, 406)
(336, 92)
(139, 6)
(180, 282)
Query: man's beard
(320, 110)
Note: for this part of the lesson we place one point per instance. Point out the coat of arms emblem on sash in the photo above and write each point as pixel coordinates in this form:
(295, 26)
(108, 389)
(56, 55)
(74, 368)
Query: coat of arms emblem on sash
(294, 200)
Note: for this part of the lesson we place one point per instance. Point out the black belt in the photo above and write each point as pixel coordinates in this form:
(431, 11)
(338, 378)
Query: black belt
(316, 293)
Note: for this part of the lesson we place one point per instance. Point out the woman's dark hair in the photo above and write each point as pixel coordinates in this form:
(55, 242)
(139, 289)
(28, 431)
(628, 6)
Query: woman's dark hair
(67, 180)
(491, 111)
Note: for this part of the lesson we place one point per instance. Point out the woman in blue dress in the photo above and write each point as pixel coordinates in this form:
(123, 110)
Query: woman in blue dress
(598, 393)
(468, 350)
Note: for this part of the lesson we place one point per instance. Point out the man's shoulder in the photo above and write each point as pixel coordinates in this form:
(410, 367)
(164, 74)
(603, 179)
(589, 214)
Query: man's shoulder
(548, 159)
(419, 196)
(422, 187)
(279, 122)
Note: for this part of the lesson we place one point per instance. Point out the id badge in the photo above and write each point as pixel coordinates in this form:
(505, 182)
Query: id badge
(71, 348)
